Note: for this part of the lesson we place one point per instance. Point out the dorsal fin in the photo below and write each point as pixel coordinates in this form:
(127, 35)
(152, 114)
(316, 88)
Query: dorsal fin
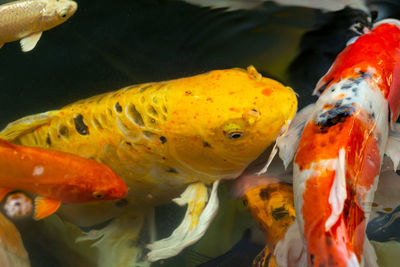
(24, 125)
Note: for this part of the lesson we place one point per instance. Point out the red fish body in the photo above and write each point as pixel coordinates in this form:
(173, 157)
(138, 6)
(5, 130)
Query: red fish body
(339, 155)
(56, 177)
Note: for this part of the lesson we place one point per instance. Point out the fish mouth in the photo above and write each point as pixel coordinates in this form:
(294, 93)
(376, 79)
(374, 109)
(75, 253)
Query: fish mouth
(389, 21)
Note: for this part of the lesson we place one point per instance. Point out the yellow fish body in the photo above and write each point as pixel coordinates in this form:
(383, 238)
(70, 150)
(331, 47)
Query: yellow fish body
(165, 136)
(27, 19)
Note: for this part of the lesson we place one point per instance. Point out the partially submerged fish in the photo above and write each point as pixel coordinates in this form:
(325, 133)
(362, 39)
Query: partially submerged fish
(339, 155)
(162, 137)
(25, 20)
(56, 177)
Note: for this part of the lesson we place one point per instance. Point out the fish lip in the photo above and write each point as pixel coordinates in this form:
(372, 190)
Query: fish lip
(389, 21)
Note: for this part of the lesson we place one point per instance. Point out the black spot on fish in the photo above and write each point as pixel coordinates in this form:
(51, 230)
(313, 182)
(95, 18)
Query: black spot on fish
(245, 202)
(339, 103)
(118, 107)
(136, 116)
(264, 194)
(206, 144)
(335, 115)
(64, 131)
(365, 74)
(121, 203)
(163, 139)
(312, 256)
(128, 143)
(279, 213)
(48, 140)
(80, 126)
(346, 86)
(172, 170)
(372, 116)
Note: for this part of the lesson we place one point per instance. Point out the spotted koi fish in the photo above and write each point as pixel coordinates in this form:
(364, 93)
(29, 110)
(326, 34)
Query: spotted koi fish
(339, 155)
(164, 137)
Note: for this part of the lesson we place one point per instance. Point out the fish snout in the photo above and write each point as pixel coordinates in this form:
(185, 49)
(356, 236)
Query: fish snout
(67, 9)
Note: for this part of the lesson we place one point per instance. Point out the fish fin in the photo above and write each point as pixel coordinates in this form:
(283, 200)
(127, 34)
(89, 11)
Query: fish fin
(288, 140)
(370, 259)
(24, 125)
(198, 217)
(4, 191)
(338, 192)
(264, 259)
(288, 143)
(291, 251)
(29, 42)
(274, 150)
(45, 206)
(393, 145)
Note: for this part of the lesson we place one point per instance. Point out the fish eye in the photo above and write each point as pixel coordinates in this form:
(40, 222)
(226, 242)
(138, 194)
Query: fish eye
(235, 135)
(63, 13)
(98, 194)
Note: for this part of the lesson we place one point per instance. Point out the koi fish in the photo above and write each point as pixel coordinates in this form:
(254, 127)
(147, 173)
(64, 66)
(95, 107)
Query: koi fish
(56, 177)
(25, 20)
(269, 198)
(162, 138)
(340, 151)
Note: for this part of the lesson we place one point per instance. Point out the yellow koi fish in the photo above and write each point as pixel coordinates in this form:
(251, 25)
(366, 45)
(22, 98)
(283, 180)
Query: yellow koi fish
(25, 20)
(162, 138)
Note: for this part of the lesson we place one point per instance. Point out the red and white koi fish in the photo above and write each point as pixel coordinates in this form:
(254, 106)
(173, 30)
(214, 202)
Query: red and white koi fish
(339, 154)
(56, 177)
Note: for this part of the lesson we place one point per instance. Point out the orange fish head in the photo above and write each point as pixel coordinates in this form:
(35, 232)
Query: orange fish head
(98, 183)
(108, 186)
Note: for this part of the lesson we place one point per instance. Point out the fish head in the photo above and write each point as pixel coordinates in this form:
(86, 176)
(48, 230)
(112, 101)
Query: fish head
(57, 12)
(96, 182)
(222, 125)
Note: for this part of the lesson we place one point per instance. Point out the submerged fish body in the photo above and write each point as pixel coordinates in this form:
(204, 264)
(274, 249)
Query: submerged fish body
(56, 177)
(165, 136)
(25, 20)
(339, 155)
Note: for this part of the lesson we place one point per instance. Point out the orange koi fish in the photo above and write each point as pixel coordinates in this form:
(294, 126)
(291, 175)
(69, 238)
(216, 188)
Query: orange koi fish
(339, 154)
(56, 177)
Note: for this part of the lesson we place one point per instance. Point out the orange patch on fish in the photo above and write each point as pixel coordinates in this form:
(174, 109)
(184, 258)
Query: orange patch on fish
(267, 91)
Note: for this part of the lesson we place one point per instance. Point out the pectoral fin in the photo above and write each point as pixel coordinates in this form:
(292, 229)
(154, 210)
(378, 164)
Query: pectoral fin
(287, 141)
(4, 191)
(44, 207)
(29, 42)
(201, 210)
(393, 145)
